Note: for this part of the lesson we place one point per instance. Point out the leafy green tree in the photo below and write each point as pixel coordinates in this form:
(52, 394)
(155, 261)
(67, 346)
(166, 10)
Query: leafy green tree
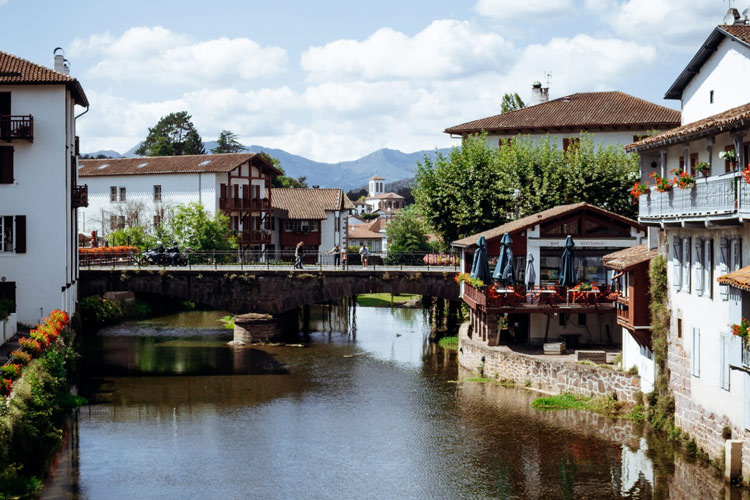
(283, 180)
(193, 228)
(407, 232)
(136, 236)
(473, 188)
(227, 143)
(511, 102)
(173, 135)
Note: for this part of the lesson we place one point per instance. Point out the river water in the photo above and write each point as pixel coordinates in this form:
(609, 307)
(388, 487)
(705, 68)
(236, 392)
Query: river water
(366, 408)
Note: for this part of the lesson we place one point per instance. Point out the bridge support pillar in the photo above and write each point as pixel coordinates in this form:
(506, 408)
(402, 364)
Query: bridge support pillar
(254, 327)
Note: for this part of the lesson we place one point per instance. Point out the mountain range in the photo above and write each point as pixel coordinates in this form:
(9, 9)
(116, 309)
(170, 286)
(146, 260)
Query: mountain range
(391, 164)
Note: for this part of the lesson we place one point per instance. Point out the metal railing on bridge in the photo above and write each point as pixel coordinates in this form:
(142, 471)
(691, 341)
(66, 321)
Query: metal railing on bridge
(279, 260)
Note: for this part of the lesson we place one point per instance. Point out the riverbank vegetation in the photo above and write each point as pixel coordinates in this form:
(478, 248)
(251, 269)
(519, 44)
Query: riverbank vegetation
(32, 412)
(604, 405)
(450, 343)
(384, 299)
(96, 312)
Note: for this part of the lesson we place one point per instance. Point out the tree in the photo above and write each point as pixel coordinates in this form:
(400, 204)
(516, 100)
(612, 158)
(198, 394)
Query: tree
(193, 228)
(227, 143)
(407, 233)
(283, 180)
(472, 189)
(511, 102)
(174, 134)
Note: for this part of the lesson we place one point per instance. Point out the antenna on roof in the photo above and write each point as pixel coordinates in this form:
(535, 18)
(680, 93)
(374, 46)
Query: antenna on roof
(746, 15)
(732, 17)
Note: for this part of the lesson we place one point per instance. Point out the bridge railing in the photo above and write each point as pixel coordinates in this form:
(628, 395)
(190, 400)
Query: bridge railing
(278, 260)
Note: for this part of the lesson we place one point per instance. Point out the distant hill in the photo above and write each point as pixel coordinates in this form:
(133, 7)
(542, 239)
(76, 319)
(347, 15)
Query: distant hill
(389, 163)
(109, 153)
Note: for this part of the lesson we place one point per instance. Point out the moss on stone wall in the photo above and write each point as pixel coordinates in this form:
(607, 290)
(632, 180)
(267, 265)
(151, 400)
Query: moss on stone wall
(661, 401)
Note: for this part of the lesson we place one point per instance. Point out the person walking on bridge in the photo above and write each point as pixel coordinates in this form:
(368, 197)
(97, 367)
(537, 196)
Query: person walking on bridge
(363, 254)
(336, 251)
(298, 254)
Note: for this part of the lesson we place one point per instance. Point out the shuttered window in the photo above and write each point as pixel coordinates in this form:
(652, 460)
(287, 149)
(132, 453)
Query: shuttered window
(708, 268)
(699, 276)
(724, 355)
(20, 234)
(13, 234)
(6, 165)
(686, 264)
(676, 262)
(724, 266)
(8, 292)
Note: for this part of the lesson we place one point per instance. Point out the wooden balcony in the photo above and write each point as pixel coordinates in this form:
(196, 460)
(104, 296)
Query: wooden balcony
(722, 197)
(240, 204)
(622, 304)
(539, 300)
(256, 237)
(80, 196)
(13, 127)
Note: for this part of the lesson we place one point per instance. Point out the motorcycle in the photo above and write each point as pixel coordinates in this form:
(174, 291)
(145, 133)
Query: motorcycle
(154, 258)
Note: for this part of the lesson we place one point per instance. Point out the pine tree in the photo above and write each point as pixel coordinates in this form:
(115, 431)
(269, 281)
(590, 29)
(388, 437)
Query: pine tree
(173, 135)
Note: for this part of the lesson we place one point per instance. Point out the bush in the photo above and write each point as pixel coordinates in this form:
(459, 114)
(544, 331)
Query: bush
(97, 312)
(20, 357)
(11, 371)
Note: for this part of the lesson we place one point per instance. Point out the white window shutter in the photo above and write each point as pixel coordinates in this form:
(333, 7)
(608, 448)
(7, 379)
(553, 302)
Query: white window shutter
(724, 266)
(698, 265)
(676, 262)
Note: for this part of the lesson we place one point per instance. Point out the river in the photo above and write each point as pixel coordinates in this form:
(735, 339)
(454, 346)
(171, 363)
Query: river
(366, 408)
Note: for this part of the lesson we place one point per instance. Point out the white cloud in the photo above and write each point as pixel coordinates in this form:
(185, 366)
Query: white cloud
(531, 10)
(162, 57)
(444, 49)
(678, 25)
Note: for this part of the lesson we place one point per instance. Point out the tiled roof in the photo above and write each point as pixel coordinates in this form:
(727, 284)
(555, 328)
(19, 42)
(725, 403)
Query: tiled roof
(312, 203)
(376, 178)
(365, 231)
(534, 219)
(184, 164)
(578, 112)
(730, 119)
(386, 196)
(738, 279)
(739, 32)
(622, 260)
(15, 70)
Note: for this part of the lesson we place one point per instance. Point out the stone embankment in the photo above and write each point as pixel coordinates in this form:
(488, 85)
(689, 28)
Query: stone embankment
(545, 372)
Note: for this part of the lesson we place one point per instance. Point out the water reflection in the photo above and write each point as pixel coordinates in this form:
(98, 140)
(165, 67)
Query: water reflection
(368, 409)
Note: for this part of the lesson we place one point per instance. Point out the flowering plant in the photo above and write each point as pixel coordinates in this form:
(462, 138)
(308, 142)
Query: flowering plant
(746, 174)
(440, 259)
(730, 155)
(702, 167)
(638, 189)
(20, 357)
(682, 179)
(466, 278)
(741, 330)
(11, 371)
(6, 385)
(661, 183)
(30, 345)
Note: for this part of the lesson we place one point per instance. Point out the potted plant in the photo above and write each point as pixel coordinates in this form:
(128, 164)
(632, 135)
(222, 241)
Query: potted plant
(661, 183)
(639, 189)
(746, 174)
(682, 179)
(703, 168)
(730, 156)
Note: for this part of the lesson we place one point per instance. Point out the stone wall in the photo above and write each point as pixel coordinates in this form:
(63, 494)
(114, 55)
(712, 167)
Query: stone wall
(548, 373)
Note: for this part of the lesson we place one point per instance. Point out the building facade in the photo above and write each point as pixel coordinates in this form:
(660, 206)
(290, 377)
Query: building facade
(145, 191)
(39, 190)
(378, 199)
(699, 225)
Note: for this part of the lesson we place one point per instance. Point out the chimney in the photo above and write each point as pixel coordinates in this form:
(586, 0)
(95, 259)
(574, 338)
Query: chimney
(538, 93)
(61, 64)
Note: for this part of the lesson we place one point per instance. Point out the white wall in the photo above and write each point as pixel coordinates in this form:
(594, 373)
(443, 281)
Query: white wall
(620, 138)
(640, 357)
(593, 332)
(727, 73)
(46, 275)
(177, 189)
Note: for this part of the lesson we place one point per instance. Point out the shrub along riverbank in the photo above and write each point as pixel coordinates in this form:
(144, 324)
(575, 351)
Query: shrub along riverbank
(35, 401)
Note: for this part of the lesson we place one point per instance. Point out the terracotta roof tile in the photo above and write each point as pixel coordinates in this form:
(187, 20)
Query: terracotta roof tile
(728, 119)
(622, 260)
(304, 203)
(364, 231)
(741, 31)
(387, 196)
(534, 219)
(15, 70)
(184, 164)
(577, 111)
(738, 279)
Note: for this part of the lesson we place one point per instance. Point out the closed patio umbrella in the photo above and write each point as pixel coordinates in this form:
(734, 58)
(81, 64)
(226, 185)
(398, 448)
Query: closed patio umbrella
(530, 272)
(567, 269)
(504, 268)
(480, 267)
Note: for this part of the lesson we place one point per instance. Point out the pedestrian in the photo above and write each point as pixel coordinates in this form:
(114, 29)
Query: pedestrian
(336, 251)
(298, 254)
(343, 258)
(363, 254)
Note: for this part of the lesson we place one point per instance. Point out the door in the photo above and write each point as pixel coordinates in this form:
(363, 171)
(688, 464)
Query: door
(519, 325)
(4, 114)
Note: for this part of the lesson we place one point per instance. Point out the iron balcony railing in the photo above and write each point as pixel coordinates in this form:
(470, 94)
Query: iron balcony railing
(17, 127)
(720, 197)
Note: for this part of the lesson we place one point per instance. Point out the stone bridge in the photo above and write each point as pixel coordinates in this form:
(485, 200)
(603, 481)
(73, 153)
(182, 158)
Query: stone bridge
(266, 291)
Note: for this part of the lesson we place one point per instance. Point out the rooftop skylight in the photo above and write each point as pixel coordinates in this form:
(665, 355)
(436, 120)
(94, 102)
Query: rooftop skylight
(141, 165)
(102, 167)
(204, 163)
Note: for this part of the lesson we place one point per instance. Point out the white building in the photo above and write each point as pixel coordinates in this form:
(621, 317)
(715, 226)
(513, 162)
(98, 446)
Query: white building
(702, 231)
(39, 191)
(371, 234)
(611, 118)
(378, 199)
(145, 191)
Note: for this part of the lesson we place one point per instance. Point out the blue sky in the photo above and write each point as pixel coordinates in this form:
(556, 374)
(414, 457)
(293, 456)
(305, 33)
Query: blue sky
(334, 80)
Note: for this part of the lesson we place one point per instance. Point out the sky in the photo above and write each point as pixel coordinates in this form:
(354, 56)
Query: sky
(336, 80)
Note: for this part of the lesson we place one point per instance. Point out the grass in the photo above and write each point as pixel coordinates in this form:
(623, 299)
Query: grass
(505, 382)
(450, 343)
(382, 299)
(603, 405)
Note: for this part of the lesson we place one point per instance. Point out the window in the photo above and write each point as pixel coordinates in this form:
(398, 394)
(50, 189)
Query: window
(122, 194)
(8, 292)
(562, 319)
(699, 275)
(116, 222)
(679, 328)
(6, 165)
(112, 194)
(728, 166)
(708, 268)
(288, 226)
(571, 142)
(724, 355)
(13, 234)
(157, 192)
(693, 163)
(710, 96)
(686, 264)
(676, 262)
